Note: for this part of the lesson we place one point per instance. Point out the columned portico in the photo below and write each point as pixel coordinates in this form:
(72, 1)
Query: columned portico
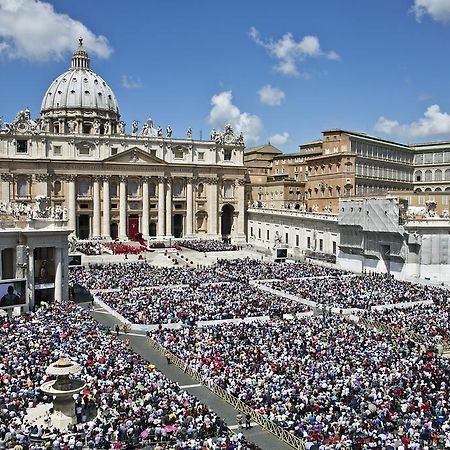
(123, 208)
(168, 207)
(145, 208)
(161, 207)
(189, 206)
(106, 231)
(96, 207)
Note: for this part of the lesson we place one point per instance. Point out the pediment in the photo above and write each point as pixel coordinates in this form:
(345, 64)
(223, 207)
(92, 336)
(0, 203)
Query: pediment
(133, 156)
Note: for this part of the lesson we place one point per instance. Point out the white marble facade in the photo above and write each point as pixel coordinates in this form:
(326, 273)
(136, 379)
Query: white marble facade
(116, 184)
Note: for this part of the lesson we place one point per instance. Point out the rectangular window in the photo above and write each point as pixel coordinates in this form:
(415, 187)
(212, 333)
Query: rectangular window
(308, 242)
(57, 150)
(22, 146)
(113, 151)
(321, 245)
(297, 240)
(259, 233)
(84, 150)
(268, 235)
(334, 247)
(287, 238)
(201, 156)
(251, 231)
(178, 153)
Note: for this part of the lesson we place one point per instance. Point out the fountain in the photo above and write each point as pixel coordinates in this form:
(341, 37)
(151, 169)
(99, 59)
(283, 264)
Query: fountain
(62, 389)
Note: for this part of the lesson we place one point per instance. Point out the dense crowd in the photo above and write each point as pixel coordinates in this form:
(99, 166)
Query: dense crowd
(360, 292)
(127, 402)
(430, 320)
(207, 245)
(189, 305)
(329, 381)
(139, 274)
(89, 247)
(246, 269)
(119, 248)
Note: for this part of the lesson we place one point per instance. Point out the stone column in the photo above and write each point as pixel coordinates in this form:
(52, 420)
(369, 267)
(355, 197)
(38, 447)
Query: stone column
(189, 206)
(96, 207)
(240, 228)
(58, 274)
(72, 203)
(123, 208)
(212, 207)
(30, 278)
(145, 208)
(168, 207)
(106, 232)
(161, 206)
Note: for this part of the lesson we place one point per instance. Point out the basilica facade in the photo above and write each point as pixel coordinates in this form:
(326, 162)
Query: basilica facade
(111, 183)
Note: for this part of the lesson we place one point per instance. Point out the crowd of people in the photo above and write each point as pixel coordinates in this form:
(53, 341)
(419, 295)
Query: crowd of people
(127, 403)
(139, 274)
(119, 248)
(361, 291)
(89, 247)
(431, 321)
(189, 304)
(331, 382)
(247, 269)
(207, 245)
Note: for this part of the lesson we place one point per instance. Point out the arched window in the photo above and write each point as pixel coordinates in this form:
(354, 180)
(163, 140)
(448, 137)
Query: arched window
(133, 188)
(200, 190)
(83, 187)
(447, 175)
(177, 188)
(22, 187)
(57, 188)
(228, 189)
(428, 175)
(438, 175)
(152, 190)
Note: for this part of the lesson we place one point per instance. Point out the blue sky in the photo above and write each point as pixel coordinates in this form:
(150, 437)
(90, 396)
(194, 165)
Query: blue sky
(283, 70)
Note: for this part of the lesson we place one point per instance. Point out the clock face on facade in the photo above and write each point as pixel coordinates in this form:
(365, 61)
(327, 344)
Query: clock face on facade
(22, 127)
(228, 138)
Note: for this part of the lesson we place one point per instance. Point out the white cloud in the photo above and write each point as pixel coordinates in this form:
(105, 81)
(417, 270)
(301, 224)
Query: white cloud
(439, 10)
(434, 122)
(290, 52)
(33, 30)
(279, 139)
(271, 96)
(223, 111)
(129, 82)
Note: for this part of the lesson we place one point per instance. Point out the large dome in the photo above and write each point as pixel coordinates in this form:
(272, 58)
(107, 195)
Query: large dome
(80, 88)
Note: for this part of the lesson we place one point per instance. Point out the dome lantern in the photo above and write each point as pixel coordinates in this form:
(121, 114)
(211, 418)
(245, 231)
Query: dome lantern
(80, 58)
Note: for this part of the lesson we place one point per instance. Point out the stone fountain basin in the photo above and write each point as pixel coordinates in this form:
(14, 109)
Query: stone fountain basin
(77, 386)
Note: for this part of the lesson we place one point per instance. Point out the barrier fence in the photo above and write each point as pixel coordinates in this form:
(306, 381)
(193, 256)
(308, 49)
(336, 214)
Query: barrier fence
(282, 434)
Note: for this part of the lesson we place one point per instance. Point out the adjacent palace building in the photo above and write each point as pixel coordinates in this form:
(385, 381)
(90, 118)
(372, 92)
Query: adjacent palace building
(113, 184)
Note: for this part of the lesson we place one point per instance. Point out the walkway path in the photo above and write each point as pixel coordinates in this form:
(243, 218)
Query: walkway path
(138, 343)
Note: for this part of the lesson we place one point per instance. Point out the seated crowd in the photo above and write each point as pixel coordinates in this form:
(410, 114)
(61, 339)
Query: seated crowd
(89, 247)
(207, 245)
(360, 292)
(327, 380)
(127, 403)
(430, 320)
(119, 248)
(205, 302)
(246, 269)
(139, 274)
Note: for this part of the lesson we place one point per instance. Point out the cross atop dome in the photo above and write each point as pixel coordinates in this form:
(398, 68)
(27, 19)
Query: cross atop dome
(80, 58)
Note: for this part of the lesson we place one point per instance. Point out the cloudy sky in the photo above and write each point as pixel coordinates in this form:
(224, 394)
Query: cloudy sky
(280, 70)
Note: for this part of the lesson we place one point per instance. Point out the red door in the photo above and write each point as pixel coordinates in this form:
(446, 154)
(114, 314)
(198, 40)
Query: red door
(133, 227)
